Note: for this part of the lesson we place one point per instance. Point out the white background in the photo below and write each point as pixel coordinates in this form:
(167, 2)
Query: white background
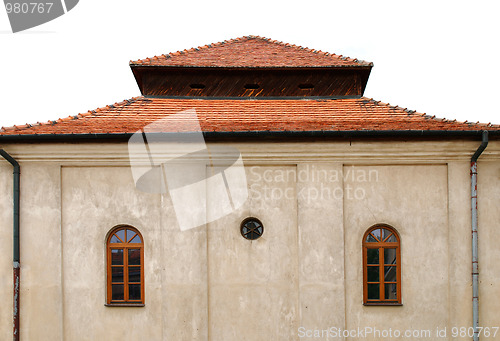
(437, 57)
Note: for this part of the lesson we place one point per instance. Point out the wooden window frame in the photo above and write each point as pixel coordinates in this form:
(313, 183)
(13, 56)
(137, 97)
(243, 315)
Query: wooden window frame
(382, 245)
(125, 246)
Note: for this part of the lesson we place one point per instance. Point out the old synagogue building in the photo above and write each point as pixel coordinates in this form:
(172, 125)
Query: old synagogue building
(251, 192)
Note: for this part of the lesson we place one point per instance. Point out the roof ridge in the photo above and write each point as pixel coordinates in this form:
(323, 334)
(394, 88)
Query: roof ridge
(244, 38)
(396, 107)
(193, 49)
(94, 112)
(433, 117)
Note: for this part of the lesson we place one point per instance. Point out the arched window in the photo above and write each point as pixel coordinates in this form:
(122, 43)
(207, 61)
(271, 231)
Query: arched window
(125, 266)
(381, 266)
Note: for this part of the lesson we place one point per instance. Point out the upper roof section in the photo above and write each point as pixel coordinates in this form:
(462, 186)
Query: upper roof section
(251, 52)
(251, 66)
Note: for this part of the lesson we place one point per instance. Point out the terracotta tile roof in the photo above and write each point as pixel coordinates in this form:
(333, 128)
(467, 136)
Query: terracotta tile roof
(251, 51)
(236, 115)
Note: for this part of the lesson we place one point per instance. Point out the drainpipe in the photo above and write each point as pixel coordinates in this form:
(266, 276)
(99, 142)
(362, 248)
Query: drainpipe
(475, 264)
(16, 260)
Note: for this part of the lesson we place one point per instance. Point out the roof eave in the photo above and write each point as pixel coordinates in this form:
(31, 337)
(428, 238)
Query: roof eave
(263, 135)
(362, 66)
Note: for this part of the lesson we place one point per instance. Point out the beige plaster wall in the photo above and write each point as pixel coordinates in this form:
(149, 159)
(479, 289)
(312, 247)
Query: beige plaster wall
(6, 249)
(321, 243)
(414, 201)
(253, 285)
(489, 243)
(94, 201)
(460, 241)
(183, 266)
(41, 252)
(208, 283)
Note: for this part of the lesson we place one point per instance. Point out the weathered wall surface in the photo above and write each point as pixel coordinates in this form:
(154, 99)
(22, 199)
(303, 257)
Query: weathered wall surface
(94, 201)
(40, 238)
(41, 273)
(321, 242)
(182, 263)
(6, 249)
(209, 283)
(460, 244)
(246, 276)
(489, 246)
(414, 201)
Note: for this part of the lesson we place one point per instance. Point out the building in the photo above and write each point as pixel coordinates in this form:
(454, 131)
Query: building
(357, 214)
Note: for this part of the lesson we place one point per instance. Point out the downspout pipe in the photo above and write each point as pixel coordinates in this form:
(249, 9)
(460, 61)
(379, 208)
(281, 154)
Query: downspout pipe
(16, 259)
(475, 245)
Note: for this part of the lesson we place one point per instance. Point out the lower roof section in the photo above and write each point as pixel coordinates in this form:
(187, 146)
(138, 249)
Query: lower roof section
(248, 119)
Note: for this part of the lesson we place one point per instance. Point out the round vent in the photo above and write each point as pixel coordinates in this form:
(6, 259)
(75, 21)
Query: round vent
(251, 228)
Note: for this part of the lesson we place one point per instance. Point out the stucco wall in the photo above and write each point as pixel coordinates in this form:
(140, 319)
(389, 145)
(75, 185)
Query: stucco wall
(489, 246)
(6, 247)
(413, 200)
(208, 283)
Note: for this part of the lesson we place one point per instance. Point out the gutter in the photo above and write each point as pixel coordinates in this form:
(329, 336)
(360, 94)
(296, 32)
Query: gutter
(16, 258)
(260, 135)
(475, 244)
(367, 65)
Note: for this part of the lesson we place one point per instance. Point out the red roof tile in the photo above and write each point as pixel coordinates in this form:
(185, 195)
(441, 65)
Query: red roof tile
(251, 51)
(230, 115)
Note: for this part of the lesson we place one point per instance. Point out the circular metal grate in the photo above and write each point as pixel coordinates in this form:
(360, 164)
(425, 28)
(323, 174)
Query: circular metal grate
(251, 228)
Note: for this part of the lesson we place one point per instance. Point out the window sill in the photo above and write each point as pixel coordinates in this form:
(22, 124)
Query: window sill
(390, 304)
(124, 305)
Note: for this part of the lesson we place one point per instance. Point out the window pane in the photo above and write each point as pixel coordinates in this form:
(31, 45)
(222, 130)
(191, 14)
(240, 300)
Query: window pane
(390, 274)
(134, 257)
(117, 292)
(136, 239)
(134, 274)
(391, 292)
(376, 233)
(121, 234)
(116, 257)
(391, 239)
(134, 292)
(370, 239)
(373, 291)
(389, 256)
(385, 233)
(372, 256)
(373, 274)
(117, 274)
